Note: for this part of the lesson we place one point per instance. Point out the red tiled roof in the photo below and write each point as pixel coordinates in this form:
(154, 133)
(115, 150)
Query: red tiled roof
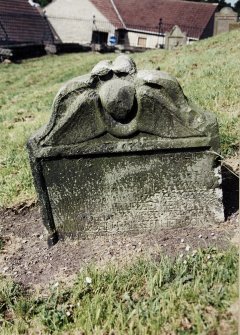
(191, 17)
(22, 23)
(107, 9)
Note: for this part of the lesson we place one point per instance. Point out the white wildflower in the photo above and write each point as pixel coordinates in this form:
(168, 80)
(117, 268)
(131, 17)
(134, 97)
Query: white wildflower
(88, 280)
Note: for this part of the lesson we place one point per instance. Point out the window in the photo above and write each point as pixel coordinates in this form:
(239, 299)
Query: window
(142, 42)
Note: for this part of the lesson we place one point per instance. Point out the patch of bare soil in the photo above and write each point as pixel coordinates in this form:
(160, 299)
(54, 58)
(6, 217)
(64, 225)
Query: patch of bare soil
(28, 260)
(233, 163)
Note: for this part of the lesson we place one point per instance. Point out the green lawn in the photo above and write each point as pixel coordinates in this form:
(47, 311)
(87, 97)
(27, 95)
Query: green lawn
(208, 72)
(166, 297)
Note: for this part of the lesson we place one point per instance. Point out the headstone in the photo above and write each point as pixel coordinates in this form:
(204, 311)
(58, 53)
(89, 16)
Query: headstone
(50, 49)
(223, 19)
(175, 38)
(125, 152)
(5, 53)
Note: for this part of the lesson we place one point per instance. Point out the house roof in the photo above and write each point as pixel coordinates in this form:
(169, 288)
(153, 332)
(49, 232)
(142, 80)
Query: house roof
(21, 23)
(191, 17)
(106, 7)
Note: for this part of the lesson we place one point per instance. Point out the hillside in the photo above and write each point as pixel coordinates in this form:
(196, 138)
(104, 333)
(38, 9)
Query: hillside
(207, 71)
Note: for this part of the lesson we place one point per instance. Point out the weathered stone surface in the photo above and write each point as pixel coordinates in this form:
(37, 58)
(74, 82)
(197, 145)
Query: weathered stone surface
(223, 19)
(117, 98)
(175, 38)
(125, 151)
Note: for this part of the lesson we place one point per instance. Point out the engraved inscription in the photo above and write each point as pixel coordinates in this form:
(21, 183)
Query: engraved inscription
(132, 193)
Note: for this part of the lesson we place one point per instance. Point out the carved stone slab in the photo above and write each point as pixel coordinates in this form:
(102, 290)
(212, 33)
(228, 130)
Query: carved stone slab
(125, 152)
(175, 38)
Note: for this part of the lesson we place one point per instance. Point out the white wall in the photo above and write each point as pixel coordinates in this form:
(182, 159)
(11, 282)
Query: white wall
(151, 40)
(73, 20)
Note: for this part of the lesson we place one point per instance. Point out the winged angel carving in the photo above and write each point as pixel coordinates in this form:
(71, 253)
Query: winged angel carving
(117, 99)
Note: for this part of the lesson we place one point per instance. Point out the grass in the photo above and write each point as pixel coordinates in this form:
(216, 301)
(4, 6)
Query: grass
(207, 71)
(167, 297)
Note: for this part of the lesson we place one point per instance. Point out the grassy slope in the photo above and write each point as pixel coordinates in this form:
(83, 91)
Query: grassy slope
(166, 297)
(207, 71)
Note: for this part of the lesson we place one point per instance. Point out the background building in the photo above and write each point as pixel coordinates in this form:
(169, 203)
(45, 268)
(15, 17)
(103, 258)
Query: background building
(141, 23)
